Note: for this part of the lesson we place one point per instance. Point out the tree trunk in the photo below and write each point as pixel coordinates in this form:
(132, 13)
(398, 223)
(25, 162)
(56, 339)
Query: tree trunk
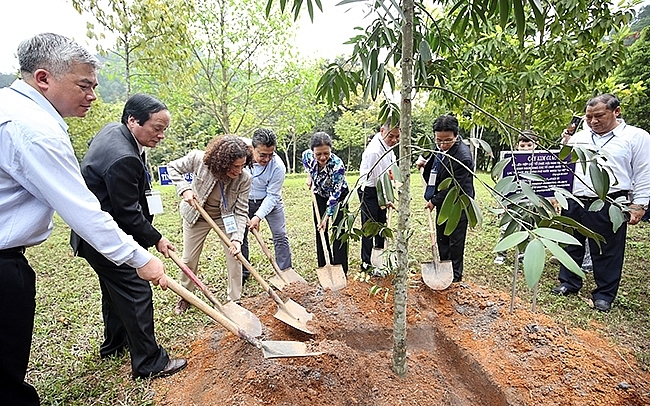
(295, 170)
(400, 283)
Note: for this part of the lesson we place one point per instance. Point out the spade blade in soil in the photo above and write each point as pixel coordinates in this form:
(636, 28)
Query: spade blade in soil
(243, 318)
(286, 277)
(331, 277)
(376, 258)
(285, 349)
(437, 275)
(294, 315)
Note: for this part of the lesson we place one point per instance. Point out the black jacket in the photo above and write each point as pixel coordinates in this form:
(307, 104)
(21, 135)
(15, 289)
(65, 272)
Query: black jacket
(447, 168)
(115, 172)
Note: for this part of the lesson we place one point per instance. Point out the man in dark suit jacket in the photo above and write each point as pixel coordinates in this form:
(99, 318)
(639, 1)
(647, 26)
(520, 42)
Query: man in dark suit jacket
(451, 160)
(114, 170)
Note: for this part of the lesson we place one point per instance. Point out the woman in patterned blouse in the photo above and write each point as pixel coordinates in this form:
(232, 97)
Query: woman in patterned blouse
(326, 177)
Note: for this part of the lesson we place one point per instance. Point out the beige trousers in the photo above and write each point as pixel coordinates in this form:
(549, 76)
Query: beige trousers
(193, 238)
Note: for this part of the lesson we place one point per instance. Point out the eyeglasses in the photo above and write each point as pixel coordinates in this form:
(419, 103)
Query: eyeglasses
(266, 156)
(446, 142)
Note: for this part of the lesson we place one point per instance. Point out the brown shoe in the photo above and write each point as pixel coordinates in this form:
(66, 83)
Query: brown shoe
(181, 307)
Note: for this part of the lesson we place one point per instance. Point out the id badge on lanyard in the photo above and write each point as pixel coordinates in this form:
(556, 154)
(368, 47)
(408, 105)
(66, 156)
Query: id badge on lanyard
(229, 219)
(154, 201)
(432, 178)
(229, 223)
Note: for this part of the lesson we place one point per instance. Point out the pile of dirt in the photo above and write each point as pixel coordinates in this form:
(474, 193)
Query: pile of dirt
(464, 348)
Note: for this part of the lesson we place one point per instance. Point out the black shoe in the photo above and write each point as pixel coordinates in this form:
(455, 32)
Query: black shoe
(602, 305)
(457, 279)
(173, 365)
(563, 290)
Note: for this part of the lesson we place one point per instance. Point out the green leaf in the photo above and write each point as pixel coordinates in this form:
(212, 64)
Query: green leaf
(504, 12)
(520, 18)
(454, 219)
(506, 185)
(445, 184)
(556, 235)
(447, 205)
(529, 193)
(425, 51)
(511, 240)
(561, 200)
(388, 188)
(534, 259)
(486, 147)
(599, 179)
(477, 218)
(565, 152)
(616, 217)
(381, 200)
(597, 205)
(497, 170)
(533, 177)
(564, 258)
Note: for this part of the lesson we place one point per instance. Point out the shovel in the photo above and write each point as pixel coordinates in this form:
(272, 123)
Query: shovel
(270, 349)
(290, 312)
(234, 312)
(280, 278)
(437, 275)
(330, 276)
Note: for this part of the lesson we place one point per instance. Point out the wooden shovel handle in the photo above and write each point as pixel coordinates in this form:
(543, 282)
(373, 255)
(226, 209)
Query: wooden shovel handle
(240, 257)
(187, 271)
(267, 252)
(212, 313)
(323, 240)
(432, 230)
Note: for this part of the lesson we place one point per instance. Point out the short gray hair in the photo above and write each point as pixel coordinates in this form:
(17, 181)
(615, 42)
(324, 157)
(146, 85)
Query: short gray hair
(53, 52)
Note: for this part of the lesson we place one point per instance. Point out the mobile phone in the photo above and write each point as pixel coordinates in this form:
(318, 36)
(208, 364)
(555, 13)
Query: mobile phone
(576, 121)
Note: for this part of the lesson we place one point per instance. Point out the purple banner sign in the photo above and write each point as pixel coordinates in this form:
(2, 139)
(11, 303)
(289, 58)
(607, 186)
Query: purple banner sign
(556, 173)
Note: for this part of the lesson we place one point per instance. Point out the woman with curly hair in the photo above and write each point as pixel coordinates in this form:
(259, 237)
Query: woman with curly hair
(221, 186)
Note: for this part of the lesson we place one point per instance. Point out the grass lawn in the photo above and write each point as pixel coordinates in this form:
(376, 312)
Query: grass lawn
(65, 366)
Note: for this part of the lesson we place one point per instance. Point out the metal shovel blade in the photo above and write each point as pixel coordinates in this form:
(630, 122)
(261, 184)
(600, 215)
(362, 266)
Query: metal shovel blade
(286, 277)
(294, 315)
(332, 277)
(377, 258)
(437, 275)
(285, 349)
(243, 318)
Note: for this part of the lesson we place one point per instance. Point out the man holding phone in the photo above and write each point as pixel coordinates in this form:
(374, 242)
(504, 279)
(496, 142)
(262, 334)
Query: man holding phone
(627, 148)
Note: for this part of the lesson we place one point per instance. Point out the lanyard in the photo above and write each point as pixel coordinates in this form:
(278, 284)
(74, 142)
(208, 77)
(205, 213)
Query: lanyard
(593, 140)
(223, 197)
(261, 173)
(146, 171)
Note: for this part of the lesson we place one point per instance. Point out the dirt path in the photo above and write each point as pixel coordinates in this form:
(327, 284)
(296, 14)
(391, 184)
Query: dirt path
(464, 349)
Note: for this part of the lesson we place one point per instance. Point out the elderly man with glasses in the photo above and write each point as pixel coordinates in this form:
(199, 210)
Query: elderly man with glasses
(265, 198)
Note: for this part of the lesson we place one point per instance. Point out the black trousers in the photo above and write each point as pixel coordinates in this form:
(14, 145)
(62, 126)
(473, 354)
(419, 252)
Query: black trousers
(127, 309)
(370, 210)
(608, 263)
(452, 247)
(339, 250)
(17, 307)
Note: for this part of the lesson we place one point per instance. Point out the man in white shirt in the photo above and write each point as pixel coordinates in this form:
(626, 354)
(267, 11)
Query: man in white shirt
(627, 149)
(375, 161)
(39, 174)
